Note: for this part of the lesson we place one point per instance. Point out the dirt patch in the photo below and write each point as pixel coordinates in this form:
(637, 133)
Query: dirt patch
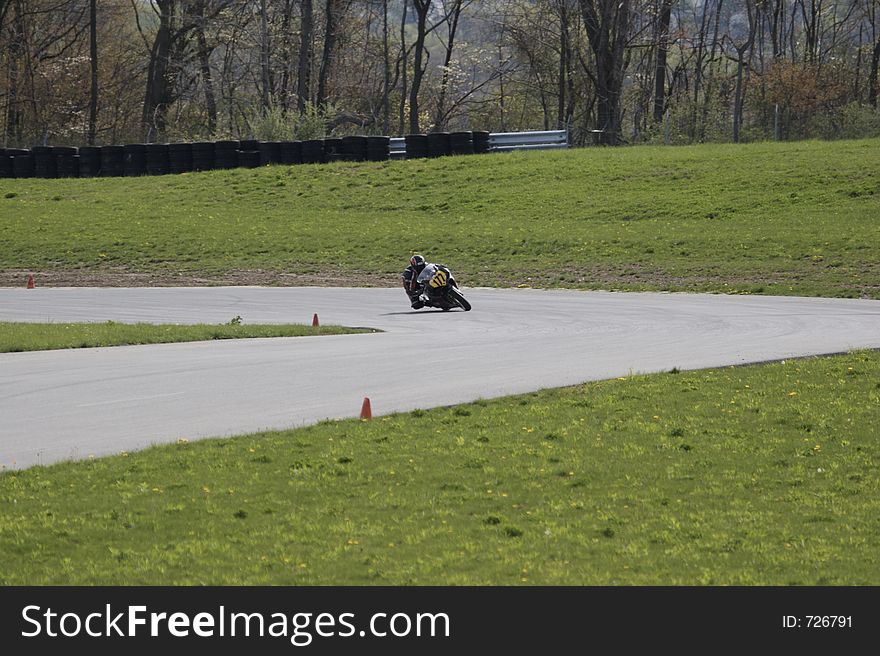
(16, 278)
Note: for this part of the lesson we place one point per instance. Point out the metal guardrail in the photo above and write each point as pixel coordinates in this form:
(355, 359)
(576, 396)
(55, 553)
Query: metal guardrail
(505, 141)
(535, 140)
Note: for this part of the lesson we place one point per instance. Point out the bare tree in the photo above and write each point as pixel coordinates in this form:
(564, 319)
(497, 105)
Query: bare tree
(752, 10)
(662, 50)
(607, 23)
(304, 82)
(93, 64)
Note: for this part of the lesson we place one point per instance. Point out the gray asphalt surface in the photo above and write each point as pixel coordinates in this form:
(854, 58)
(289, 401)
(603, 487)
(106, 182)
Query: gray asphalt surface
(58, 405)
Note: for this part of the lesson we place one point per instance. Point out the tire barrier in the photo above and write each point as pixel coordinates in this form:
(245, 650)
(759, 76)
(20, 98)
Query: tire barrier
(438, 144)
(5, 164)
(66, 161)
(132, 160)
(89, 161)
(45, 165)
(202, 155)
(23, 166)
(180, 157)
(112, 161)
(378, 149)
(480, 139)
(313, 151)
(416, 146)
(461, 143)
(158, 162)
(249, 159)
(354, 149)
(270, 152)
(226, 154)
(291, 152)
(332, 149)
(135, 160)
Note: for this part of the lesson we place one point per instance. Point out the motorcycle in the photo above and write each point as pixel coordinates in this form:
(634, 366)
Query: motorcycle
(439, 289)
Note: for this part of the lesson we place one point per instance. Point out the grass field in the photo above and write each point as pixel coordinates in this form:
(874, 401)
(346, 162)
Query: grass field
(23, 336)
(759, 475)
(774, 218)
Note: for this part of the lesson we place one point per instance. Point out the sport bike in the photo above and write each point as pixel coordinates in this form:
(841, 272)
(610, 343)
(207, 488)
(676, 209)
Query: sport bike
(439, 289)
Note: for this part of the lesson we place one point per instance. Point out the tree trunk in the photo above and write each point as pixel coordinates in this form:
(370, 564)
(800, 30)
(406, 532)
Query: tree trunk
(265, 91)
(156, 98)
(660, 70)
(204, 54)
(607, 26)
(386, 62)
(422, 8)
(752, 9)
(872, 77)
(440, 120)
(93, 55)
(331, 9)
(564, 50)
(304, 74)
(403, 78)
(13, 132)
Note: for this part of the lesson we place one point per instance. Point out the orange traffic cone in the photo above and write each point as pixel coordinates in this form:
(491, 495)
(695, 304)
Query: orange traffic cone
(30, 284)
(315, 322)
(366, 411)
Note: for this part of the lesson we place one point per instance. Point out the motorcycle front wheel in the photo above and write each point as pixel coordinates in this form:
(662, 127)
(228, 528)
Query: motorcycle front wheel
(456, 296)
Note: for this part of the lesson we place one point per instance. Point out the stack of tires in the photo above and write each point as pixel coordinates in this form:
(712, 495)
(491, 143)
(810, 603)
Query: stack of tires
(438, 144)
(461, 143)
(333, 149)
(180, 159)
(89, 161)
(112, 161)
(66, 161)
(313, 151)
(45, 165)
(135, 161)
(480, 139)
(416, 145)
(202, 155)
(8, 161)
(291, 152)
(354, 149)
(23, 165)
(5, 164)
(226, 154)
(378, 148)
(249, 159)
(157, 159)
(270, 152)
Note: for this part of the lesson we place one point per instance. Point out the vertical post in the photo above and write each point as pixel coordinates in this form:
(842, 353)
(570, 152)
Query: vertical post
(666, 127)
(776, 122)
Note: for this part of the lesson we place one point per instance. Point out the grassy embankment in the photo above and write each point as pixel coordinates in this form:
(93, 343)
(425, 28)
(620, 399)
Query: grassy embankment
(789, 218)
(755, 475)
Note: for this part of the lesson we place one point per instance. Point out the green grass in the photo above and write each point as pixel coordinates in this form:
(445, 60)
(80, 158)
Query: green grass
(22, 336)
(775, 218)
(758, 475)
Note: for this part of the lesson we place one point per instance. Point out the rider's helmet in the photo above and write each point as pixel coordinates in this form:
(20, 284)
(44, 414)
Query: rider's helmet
(417, 262)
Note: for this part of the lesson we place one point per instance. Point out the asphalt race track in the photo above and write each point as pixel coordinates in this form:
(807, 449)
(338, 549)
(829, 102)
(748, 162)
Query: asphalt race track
(57, 405)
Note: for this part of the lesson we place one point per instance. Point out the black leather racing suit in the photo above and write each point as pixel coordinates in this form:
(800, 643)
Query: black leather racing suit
(413, 288)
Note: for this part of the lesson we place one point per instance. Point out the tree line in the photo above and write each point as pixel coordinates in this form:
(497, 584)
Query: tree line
(610, 71)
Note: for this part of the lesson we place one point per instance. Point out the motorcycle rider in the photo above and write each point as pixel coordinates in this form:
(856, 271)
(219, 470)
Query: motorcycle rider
(409, 278)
